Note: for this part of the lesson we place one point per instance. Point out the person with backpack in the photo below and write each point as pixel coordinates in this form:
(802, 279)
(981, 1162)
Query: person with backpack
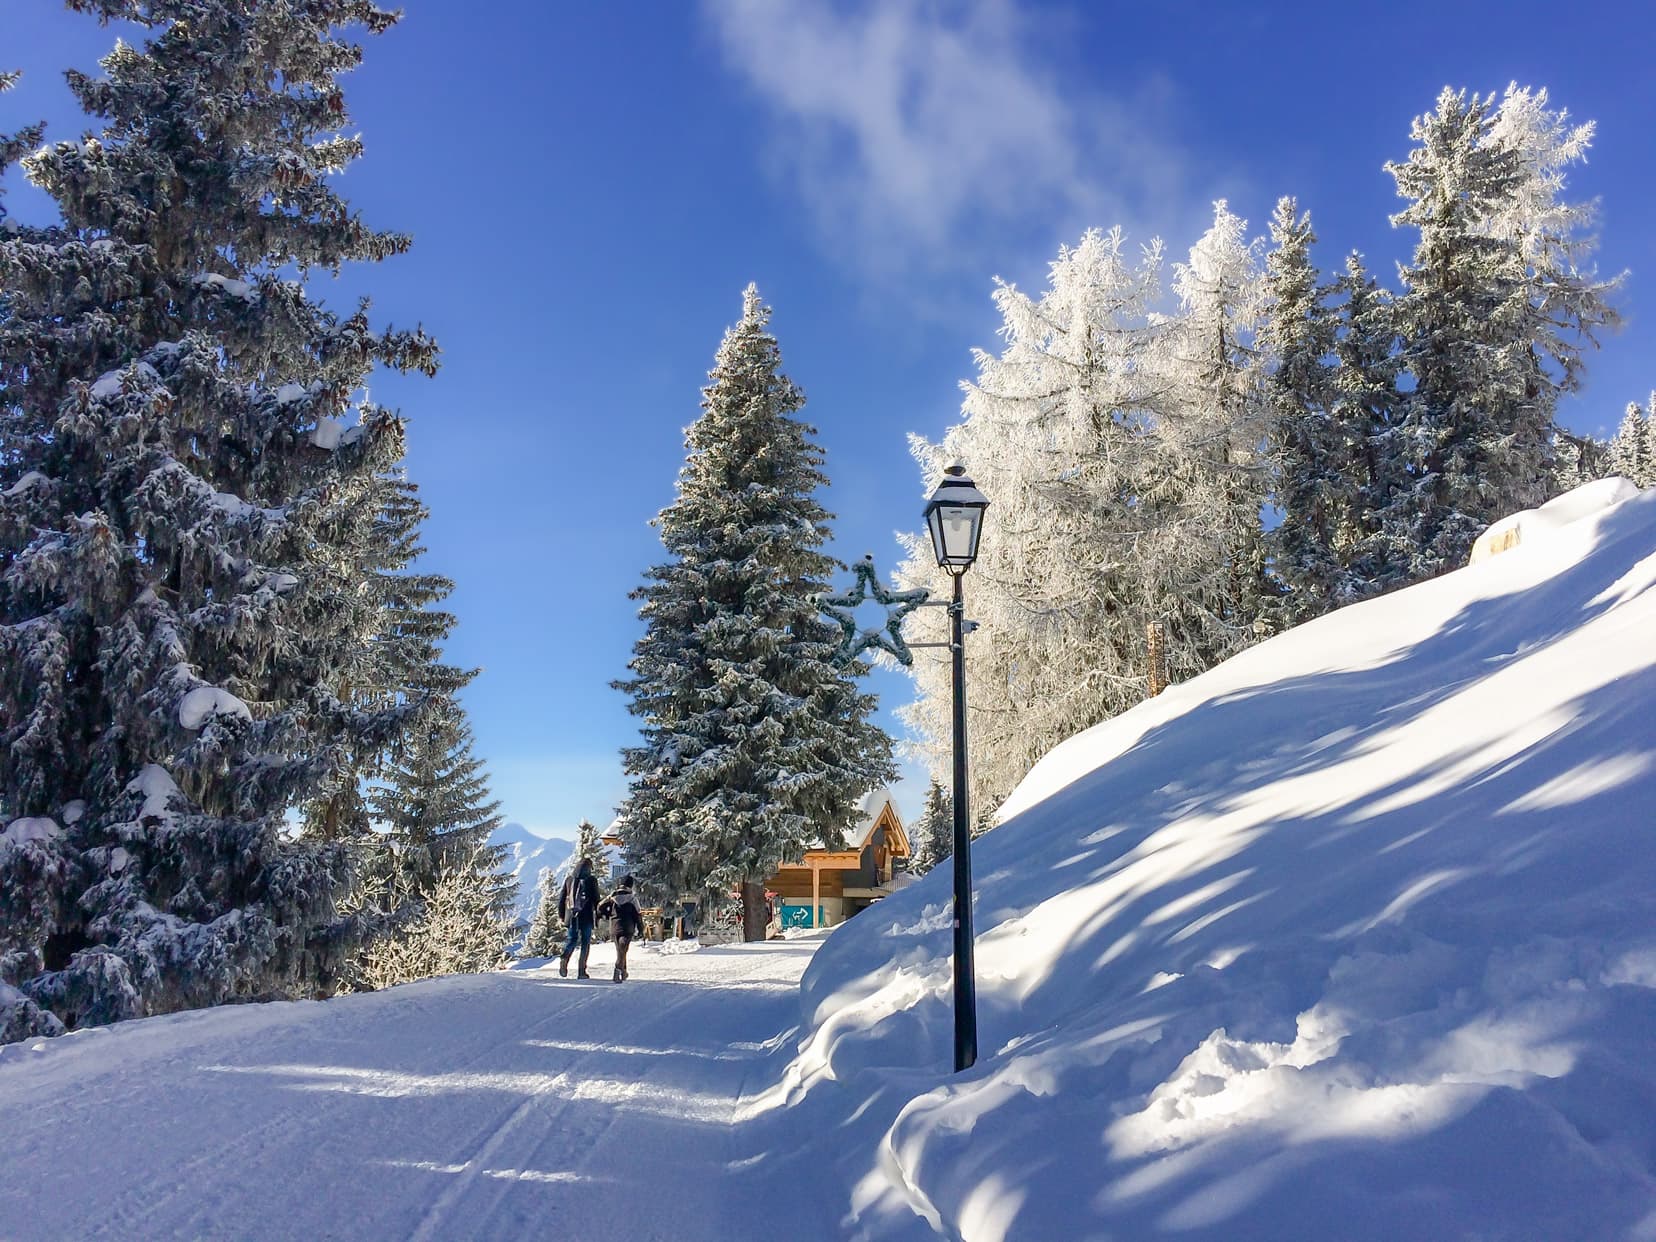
(626, 921)
(577, 907)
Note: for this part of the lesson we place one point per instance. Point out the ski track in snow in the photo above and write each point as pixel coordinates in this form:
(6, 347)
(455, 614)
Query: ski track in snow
(491, 1106)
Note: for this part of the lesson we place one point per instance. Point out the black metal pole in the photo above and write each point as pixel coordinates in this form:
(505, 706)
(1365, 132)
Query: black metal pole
(965, 980)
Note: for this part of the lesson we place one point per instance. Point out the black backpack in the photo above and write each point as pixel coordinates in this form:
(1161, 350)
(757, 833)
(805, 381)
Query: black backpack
(577, 903)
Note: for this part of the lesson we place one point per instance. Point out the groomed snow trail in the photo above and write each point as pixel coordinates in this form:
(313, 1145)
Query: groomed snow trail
(487, 1106)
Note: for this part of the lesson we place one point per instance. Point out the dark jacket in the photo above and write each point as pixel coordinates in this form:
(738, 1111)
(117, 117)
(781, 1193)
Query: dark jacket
(621, 908)
(579, 900)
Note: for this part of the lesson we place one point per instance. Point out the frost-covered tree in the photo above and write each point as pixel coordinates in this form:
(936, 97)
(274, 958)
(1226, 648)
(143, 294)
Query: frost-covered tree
(755, 742)
(589, 843)
(455, 927)
(1214, 423)
(1119, 449)
(434, 806)
(935, 831)
(546, 930)
(1059, 430)
(1631, 453)
(186, 495)
(1494, 313)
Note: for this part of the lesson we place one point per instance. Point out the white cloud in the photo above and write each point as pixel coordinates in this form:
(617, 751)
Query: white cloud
(910, 128)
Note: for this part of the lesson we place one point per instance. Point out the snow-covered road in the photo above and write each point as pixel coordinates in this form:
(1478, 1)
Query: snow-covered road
(509, 1105)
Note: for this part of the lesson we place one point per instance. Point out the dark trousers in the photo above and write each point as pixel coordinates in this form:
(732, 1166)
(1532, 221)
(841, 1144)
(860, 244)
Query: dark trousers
(580, 929)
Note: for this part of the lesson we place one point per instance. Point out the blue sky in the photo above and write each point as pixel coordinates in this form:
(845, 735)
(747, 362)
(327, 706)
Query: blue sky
(589, 188)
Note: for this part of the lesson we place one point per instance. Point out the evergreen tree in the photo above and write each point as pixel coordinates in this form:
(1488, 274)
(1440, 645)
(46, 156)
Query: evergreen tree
(935, 831)
(437, 814)
(185, 518)
(1631, 453)
(546, 930)
(395, 653)
(1313, 452)
(1492, 320)
(755, 742)
(1365, 408)
(589, 843)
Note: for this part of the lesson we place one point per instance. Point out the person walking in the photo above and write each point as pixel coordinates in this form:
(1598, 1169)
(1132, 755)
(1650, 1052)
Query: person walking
(626, 921)
(577, 907)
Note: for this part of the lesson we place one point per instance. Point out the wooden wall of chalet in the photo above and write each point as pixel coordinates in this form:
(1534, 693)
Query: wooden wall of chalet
(794, 884)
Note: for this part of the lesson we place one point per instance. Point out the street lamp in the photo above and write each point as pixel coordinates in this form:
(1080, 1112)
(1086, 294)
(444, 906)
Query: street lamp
(954, 515)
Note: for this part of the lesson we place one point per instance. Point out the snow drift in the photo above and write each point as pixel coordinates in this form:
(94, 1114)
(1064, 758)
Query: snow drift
(1354, 936)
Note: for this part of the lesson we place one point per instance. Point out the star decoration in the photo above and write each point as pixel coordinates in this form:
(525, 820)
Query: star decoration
(898, 604)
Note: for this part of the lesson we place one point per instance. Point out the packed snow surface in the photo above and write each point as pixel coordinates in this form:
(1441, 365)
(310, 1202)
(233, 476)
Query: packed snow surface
(509, 1105)
(1353, 937)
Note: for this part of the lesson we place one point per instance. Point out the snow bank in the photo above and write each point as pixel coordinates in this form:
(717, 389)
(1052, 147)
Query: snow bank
(1354, 936)
(1533, 524)
(205, 701)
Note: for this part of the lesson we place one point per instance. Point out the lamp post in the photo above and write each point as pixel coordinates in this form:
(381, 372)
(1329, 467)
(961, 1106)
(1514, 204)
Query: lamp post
(954, 515)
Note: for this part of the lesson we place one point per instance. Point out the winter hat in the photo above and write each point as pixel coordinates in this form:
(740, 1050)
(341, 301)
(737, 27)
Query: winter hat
(626, 881)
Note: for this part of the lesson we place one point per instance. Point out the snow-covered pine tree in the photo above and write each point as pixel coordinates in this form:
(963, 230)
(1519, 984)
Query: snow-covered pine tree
(935, 831)
(183, 518)
(1365, 405)
(1492, 320)
(1631, 452)
(589, 843)
(1059, 430)
(755, 742)
(395, 655)
(1313, 453)
(434, 805)
(546, 930)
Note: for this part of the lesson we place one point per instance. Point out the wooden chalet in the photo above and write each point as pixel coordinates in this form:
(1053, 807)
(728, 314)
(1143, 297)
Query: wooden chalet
(826, 886)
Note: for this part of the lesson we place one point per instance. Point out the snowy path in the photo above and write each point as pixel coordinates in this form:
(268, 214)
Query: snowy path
(492, 1106)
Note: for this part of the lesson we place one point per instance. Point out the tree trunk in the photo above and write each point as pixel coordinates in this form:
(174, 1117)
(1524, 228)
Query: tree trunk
(753, 910)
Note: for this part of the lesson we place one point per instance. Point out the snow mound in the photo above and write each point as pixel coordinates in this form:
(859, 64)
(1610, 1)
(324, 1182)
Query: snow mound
(31, 828)
(1353, 936)
(204, 701)
(1534, 524)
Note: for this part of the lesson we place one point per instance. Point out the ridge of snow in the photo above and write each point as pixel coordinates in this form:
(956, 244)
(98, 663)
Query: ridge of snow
(1328, 941)
(1530, 525)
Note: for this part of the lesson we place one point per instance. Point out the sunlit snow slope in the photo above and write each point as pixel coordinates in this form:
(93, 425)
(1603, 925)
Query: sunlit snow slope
(1353, 937)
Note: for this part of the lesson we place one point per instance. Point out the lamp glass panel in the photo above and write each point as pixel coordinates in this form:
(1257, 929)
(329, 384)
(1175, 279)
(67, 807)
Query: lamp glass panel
(959, 527)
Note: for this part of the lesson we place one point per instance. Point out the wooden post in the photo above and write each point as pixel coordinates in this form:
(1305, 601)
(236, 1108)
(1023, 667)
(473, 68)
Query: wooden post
(816, 900)
(1157, 658)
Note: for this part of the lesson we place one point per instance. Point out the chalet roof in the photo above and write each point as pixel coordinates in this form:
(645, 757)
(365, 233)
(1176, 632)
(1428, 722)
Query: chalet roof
(877, 807)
